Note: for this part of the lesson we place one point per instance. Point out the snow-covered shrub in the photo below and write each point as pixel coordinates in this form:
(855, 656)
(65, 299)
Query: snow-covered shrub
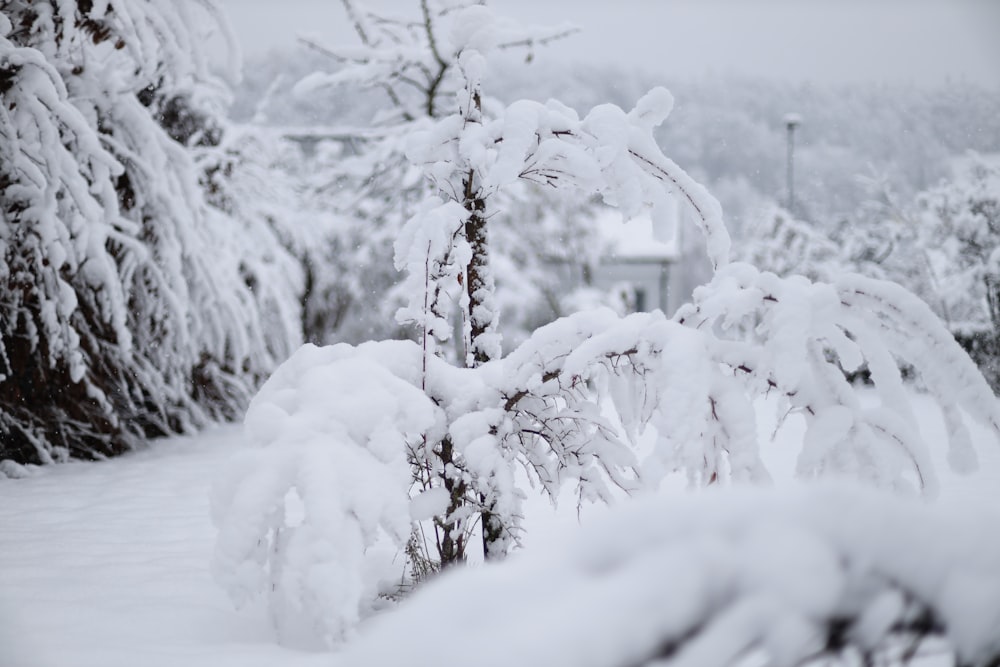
(123, 312)
(571, 403)
(960, 221)
(785, 245)
(830, 575)
(324, 482)
(942, 247)
(268, 239)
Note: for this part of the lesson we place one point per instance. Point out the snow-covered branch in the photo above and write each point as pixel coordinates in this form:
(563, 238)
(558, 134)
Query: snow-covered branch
(789, 577)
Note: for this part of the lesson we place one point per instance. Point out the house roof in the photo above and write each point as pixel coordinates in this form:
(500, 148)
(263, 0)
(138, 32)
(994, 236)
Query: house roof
(635, 240)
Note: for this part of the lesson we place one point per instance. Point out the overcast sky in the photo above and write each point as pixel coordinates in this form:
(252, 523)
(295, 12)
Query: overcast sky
(911, 41)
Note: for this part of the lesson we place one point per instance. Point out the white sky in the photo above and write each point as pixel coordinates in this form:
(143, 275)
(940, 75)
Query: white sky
(834, 41)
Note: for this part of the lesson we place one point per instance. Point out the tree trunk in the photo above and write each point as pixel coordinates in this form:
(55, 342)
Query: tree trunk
(483, 344)
(452, 546)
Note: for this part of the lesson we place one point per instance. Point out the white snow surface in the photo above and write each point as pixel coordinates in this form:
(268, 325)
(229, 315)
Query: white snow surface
(107, 564)
(717, 575)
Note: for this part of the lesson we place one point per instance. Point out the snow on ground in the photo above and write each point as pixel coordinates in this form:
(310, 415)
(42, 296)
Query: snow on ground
(106, 564)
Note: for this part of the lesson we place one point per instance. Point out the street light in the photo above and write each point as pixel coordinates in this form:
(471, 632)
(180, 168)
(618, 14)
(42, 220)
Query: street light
(792, 120)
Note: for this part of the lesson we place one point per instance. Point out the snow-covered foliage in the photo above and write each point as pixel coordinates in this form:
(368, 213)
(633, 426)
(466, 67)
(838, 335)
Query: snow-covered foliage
(806, 335)
(123, 312)
(363, 176)
(834, 575)
(572, 403)
(960, 219)
(301, 520)
(959, 223)
(472, 159)
(942, 246)
(690, 383)
(785, 245)
(269, 241)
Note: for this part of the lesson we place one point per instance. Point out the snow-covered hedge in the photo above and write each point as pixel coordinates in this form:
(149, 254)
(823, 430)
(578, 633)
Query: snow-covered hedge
(780, 577)
(130, 306)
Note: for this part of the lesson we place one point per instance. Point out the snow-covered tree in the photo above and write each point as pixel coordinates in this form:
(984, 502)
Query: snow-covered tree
(362, 176)
(571, 404)
(123, 310)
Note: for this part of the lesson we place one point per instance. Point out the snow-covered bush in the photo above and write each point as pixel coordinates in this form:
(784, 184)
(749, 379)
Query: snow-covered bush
(830, 575)
(571, 403)
(303, 521)
(960, 221)
(782, 244)
(245, 177)
(123, 311)
(942, 246)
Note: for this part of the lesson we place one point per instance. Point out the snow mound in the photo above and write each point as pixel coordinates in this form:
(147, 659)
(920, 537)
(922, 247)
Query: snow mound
(712, 578)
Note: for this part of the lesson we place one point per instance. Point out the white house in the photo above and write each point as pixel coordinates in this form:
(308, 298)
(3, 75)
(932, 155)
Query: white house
(639, 260)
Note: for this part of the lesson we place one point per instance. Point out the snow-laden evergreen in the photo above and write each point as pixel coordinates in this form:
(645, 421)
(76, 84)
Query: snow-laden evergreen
(124, 308)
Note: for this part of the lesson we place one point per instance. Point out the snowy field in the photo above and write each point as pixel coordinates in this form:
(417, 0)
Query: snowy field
(106, 564)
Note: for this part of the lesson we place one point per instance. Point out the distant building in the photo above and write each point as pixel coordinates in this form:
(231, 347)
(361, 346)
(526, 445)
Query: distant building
(636, 260)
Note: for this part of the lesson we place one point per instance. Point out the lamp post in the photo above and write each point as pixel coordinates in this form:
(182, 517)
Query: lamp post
(792, 120)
